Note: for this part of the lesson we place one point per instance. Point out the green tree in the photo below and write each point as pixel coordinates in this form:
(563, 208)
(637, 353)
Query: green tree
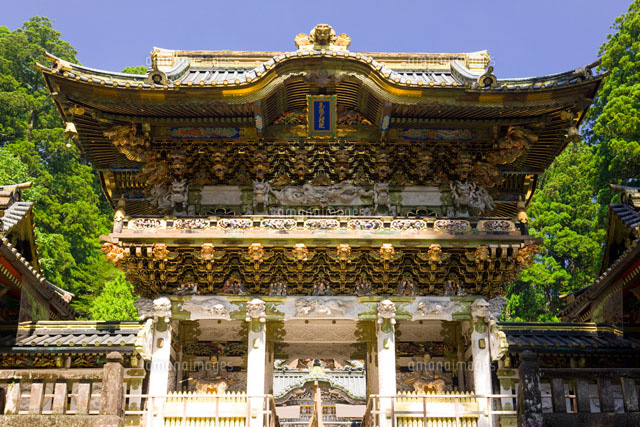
(115, 302)
(138, 69)
(614, 120)
(564, 213)
(69, 209)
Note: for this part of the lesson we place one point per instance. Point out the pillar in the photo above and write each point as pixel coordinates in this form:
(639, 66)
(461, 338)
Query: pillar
(529, 398)
(256, 359)
(480, 355)
(160, 359)
(112, 397)
(386, 351)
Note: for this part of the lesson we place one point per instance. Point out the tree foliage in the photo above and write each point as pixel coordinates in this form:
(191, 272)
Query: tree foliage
(138, 69)
(115, 302)
(564, 214)
(70, 212)
(614, 120)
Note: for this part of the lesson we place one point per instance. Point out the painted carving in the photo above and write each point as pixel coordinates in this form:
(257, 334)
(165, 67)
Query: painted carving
(512, 145)
(363, 288)
(526, 255)
(256, 311)
(211, 387)
(300, 252)
(436, 310)
(321, 288)
(278, 288)
(144, 307)
(471, 198)
(233, 286)
(351, 117)
(435, 255)
(207, 252)
(481, 254)
(256, 252)
(160, 251)
(386, 311)
(113, 252)
(406, 287)
(316, 307)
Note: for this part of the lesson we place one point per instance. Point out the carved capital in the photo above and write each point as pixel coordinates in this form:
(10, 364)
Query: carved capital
(256, 311)
(386, 312)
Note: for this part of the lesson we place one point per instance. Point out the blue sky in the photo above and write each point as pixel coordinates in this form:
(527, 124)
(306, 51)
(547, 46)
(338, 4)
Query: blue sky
(525, 38)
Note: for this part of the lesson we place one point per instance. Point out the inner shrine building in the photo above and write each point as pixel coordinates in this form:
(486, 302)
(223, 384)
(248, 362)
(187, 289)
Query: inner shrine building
(318, 236)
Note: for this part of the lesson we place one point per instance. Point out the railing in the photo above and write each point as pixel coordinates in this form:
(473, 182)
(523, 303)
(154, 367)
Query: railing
(52, 391)
(427, 410)
(590, 390)
(188, 409)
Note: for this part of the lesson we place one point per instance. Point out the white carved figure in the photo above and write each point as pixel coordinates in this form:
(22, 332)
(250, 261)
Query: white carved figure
(179, 194)
(318, 307)
(381, 196)
(261, 191)
(480, 310)
(471, 197)
(436, 309)
(212, 307)
(343, 193)
(160, 198)
(144, 307)
(171, 199)
(162, 308)
(386, 311)
(256, 310)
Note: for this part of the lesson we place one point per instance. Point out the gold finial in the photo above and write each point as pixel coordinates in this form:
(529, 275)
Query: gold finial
(322, 36)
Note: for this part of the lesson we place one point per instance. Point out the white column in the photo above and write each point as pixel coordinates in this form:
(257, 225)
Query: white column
(481, 355)
(160, 359)
(256, 358)
(386, 349)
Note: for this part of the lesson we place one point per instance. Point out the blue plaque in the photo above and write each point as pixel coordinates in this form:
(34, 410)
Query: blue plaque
(321, 116)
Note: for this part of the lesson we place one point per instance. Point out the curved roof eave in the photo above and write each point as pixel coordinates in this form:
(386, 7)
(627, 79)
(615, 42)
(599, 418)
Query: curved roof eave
(245, 78)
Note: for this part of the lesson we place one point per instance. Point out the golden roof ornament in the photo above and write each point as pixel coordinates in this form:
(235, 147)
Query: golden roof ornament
(322, 36)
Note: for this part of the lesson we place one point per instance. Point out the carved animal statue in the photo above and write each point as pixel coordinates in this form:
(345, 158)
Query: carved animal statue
(470, 196)
(480, 309)
(261, 191)
(381, 195)
(179, 194)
